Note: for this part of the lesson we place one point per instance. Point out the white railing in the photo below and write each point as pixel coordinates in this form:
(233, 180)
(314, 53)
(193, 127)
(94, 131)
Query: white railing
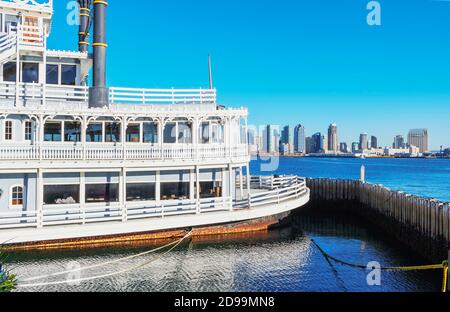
(162, 96)
(99, 151)
(91, 213)
(31, 36)
(290, 188)
(37, 91)
(7, 43)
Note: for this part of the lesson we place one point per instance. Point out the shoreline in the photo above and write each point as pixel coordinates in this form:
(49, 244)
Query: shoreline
(344, 156)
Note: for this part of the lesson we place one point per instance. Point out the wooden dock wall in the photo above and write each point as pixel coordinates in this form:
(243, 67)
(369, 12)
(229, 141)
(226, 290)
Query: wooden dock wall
(421, 223)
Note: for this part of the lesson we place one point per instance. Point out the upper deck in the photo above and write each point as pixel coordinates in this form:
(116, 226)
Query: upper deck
(46, 116)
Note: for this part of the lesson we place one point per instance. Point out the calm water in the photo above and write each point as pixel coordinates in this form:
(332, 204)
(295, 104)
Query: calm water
(283, 260)
(425, 177)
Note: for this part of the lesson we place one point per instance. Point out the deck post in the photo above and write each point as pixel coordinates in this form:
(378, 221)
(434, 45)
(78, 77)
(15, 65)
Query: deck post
(197, 188)
(83, 195)
(249, 197)
(241, 182)
(123, 194)
(230, 188)
(39, 199)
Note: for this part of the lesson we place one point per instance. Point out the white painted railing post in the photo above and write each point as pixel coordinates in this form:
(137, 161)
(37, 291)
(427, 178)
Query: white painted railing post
(39, 199)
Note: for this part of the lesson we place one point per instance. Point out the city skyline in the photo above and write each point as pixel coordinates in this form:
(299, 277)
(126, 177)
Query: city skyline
(311, 61)
(365, 141)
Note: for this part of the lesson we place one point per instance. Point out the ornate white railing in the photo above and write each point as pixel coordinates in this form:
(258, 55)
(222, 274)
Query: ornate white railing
(90, 213)
(162, 96)
(37, 91)
(94, 151)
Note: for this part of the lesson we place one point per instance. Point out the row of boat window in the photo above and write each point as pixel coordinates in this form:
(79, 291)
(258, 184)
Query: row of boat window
(143, 132)
(109, 192)
(57, 74)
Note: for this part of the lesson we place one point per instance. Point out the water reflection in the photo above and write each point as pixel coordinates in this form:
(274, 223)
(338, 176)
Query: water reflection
(280, 260)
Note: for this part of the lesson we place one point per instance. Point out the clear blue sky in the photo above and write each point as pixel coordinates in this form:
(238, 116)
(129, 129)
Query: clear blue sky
(313, 62)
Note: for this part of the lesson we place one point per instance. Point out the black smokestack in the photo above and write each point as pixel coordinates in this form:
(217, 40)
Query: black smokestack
(85, 20)
(99, 93)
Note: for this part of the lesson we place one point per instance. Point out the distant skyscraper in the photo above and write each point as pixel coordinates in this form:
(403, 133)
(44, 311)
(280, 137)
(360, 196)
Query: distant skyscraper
(419, 138)
(251, 137)
(299, 139)
(309, 145)
(333, 145)
(324, 144)
(399, 142)
(287, 139)
(363, 142)
(315, 144)
(373, 142)
(267, 139)
(343, 147)
(355, 147)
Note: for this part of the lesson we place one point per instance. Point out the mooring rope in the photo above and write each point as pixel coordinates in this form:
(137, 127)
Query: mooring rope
(175, 245)
(443, 266)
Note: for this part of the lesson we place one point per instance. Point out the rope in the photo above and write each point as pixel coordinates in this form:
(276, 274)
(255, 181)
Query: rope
(175, 245)
(443, 266)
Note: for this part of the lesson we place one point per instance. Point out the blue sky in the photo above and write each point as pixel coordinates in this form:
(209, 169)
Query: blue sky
(313, 62)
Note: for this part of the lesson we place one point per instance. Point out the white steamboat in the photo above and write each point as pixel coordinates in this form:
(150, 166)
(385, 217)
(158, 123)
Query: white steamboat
(80, 163)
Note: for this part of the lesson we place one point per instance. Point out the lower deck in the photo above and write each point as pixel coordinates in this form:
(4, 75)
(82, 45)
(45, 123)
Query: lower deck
(264, 199)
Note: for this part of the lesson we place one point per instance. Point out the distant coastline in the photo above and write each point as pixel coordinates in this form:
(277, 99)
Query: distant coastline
(345, 156)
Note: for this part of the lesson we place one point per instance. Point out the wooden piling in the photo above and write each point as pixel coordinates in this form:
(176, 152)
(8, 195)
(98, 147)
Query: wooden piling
(427, 220)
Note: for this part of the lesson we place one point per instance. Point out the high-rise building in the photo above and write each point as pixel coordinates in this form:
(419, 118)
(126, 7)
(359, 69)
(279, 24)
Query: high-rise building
(324, 144)
(299, 139)
(419, 138)
(399, 142)
(315, 143)
(363, 142)
(287, 140)
(373, 142)
(355, 147)
(251, 137)
(333, 144)
(268, 139)
(343, 147)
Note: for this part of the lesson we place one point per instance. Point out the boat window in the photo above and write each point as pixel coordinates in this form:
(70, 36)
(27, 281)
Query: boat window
(174, 190)
(68, 75)
(8, 130)
(28, 130)
(141, 191)
(185, 132)
(52, 132)
(112, 132)
(30, 72)
(72, 131)
(204, 133)
(134, 133)
(169, 133)
(102, 193)
(61, 194)
(210, 189)
(52, 74)
(9, 72)
(17, 196)
(11, 21)
(94, 132)
(150, 132)
(217, 134)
